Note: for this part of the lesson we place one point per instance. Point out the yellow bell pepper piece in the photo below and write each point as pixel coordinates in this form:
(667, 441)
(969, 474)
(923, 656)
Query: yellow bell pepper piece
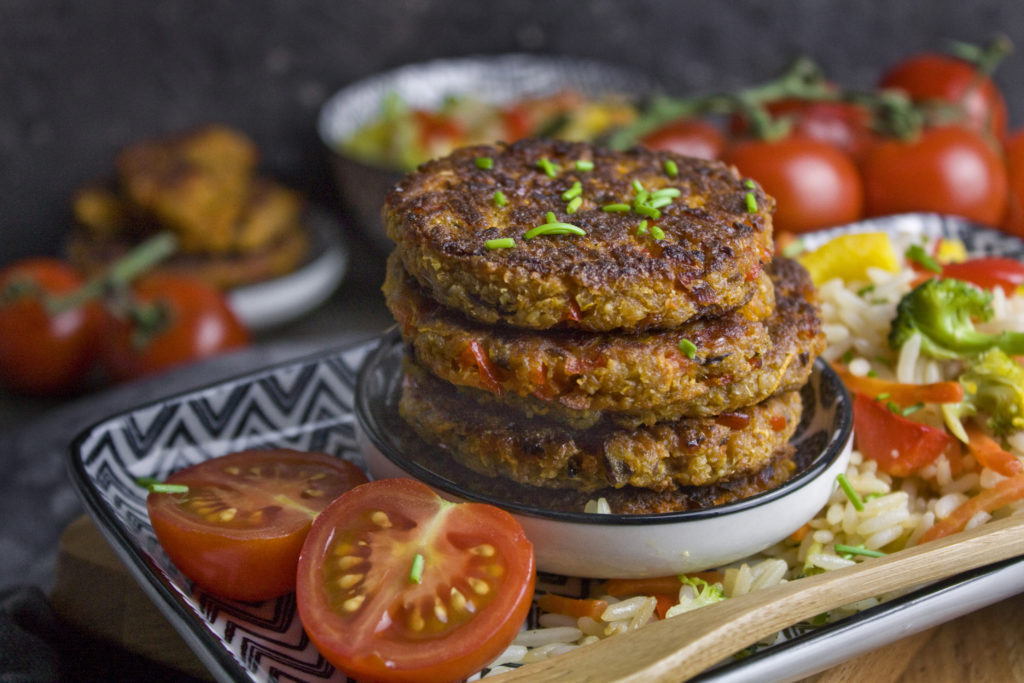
(848, 257)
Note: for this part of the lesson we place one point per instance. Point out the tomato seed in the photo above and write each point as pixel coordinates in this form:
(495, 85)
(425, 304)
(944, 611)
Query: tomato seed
(479, 586)
(439, 611)
(354, 603)
(227, 515)
(483, 550)
(416, 622)
(312, 493)
(458, 600)
(381, 519)
(346, 562)
(349, 580)
(317, 477)
(232, 470)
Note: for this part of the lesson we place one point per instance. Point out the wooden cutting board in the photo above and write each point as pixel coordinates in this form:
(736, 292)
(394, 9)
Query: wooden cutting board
(94, 591)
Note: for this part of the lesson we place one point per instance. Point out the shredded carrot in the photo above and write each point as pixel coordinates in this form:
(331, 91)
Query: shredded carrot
(990, 454)
(1003, 493)
(799, 534)
(665, 603)
(899, 392)
(664, 585)
(573, 607)
(474, 354)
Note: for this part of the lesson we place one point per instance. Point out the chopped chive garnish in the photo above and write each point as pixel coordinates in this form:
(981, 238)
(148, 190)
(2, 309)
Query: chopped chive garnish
(910, 410)
(666, 192)
(671, 168)
(156, 486)
(637, 186)
(751, 202)
(416, 573)
(858, 550)
(894, 407)
(550, 216)
(641, 197)
(748, 183)
(575, 191)
(574, 204)
(499, 198)
(847, 487)
(917, 254)
(657, 233)
(883, 396)
(484, 162)
(659, 202)
(548, 167)
(500, 243)
(642, 228)
(584, 165)
(872, 374)
(872, 496)
(865, 290)
(847, 356)
(793, 249)
(645, 210)
(554, 228)
(618, 208)
(688, 348)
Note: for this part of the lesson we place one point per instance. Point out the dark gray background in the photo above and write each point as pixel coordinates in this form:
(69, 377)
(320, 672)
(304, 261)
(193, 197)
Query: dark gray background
(80, 79)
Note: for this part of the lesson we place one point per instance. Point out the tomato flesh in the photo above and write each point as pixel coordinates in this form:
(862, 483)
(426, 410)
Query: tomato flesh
(361, 603)
(238, 530)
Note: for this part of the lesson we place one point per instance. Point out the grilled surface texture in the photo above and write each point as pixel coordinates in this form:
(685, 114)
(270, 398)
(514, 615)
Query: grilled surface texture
(707, 263)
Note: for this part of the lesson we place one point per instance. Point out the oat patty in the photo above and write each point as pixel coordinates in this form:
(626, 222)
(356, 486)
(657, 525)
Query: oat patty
(699, 254)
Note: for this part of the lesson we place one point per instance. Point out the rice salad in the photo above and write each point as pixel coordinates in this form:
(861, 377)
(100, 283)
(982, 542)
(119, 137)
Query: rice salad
(862, 279)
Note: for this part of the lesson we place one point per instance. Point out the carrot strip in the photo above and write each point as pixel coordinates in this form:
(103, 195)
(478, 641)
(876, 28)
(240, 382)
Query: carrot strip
(989, 453)
(665, 603)
(900, 393)
(666, 585)
(799, 534)
(573, 607)
(1005, 492)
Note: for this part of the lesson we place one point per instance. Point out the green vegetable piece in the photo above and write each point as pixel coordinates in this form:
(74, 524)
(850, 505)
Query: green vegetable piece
(657, 233)
(616, 208)
(917, 254)
(574, 205)
(584, 165)
(416, 573)
(645, 210)
(751, 202)
(554, 228)
(847, 487)
(671, 169)
(157, 486)
(943, 313)
(688, 348)
(642, 228)
(994, 388)
(858, 550)
(499, 198)
(575, 191)
(500, 243)
(671, 192)
(484, 163)
(548, 166)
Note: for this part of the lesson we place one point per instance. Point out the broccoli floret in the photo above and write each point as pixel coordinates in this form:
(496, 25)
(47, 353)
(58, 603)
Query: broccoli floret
(994, 387)
(943, 313)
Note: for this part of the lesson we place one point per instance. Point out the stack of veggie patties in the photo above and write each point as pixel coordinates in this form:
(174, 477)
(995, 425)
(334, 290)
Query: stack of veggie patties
(583, 323)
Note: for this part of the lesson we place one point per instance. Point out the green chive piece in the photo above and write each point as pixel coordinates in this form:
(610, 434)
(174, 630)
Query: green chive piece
(618, 208)
(847, 487)
(858, 550)
(883, 396)
(917, 254)
(499, 198)
(575, 191)
(554, 228)
(688, 348)
(546, 165)
(156, 486)
(910, 410)
(751, 203)
(659, 202)
(573, 205)
(642, 228)
(641, 197)
(637, 186)
(500, 243)
(584, 165)
(872, 373)
(894, 407)
(416, 573)
(847, 356)
(794, 248)
(645, 210)
(657, 233)
(865, 290)
(748, 183)
(484, 163)
(872, 496)
(666, 192)
(550, 216)
(671, 168)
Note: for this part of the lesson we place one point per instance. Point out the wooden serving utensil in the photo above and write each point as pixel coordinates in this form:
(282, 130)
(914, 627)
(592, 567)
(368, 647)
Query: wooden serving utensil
(681, 647)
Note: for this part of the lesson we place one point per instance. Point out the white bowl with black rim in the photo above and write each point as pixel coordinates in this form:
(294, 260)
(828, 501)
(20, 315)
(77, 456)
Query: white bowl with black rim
(597, 545)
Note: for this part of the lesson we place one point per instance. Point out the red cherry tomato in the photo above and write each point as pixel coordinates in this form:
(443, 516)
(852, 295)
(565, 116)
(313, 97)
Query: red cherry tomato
(814, 184)
(899, 446)
(939, 77)
(517, 122)
(436, 128)
(842, 124)
(947, 169)
(1013, 221)
(238, 530)
(398, 584)
(988, 273)
(688, 137)
(192, 320)
(43, 353)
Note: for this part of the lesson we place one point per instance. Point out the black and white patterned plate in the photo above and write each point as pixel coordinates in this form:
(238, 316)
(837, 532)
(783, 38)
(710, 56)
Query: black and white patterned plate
(307, 404)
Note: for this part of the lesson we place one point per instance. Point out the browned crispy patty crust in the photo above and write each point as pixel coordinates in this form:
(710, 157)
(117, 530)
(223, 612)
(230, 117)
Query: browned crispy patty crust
(581, 370)
(499, 441)
(699, 254)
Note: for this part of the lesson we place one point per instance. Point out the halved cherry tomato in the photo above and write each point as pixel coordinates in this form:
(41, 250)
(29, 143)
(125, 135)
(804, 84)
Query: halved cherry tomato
(947, 169)
(689, 137)
(939, 77)
(189, 320)
(899, 446)
(988, 272)
(396, 583)
(814, 184)
(238, 530)
(41, 352)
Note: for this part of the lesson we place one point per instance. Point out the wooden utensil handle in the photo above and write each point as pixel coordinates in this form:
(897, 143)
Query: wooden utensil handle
(683, 646)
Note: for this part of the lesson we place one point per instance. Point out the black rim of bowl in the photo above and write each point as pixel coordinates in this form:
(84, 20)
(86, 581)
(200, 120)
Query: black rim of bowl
(372, 429)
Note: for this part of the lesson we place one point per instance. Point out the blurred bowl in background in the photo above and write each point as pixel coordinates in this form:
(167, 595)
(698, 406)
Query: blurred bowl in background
(495, 80)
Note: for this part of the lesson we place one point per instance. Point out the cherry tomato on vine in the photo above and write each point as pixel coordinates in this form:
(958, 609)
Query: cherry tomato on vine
(940, 77)
(814, 184)
(842, 124)
(398, 584)
(1013, 221)
(173, 319)
(688, 137)
(946, 169)
(41, 352)
(238, 529)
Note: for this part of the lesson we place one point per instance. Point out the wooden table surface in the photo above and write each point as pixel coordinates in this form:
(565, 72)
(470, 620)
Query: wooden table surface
(93, 591)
